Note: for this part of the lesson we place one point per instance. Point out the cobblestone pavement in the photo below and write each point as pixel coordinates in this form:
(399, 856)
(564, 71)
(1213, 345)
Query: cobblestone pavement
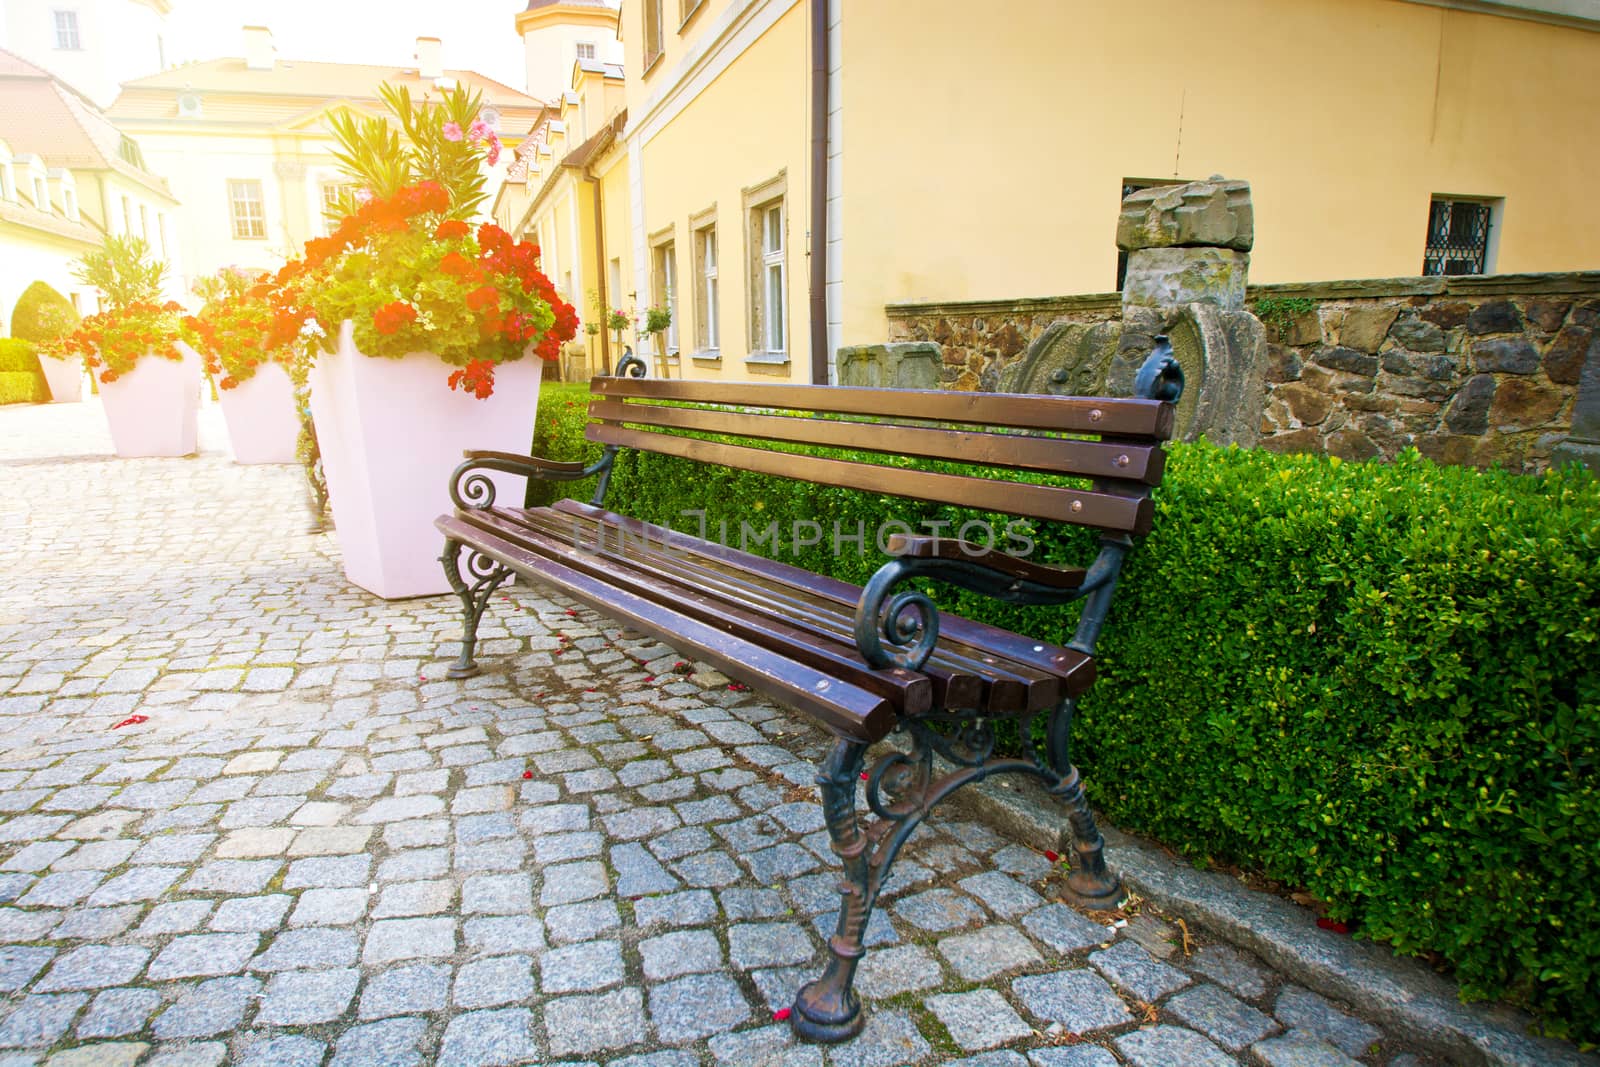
(316, 849)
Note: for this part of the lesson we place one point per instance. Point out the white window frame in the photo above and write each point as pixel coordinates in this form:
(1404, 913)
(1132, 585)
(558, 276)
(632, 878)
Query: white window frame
(578, 49)
(707, 285)
(774, 278)
(69, 38)
(243, 220)
(664, 283)
(41, 193)
(127, 217)
(766, 222)
(144, 223)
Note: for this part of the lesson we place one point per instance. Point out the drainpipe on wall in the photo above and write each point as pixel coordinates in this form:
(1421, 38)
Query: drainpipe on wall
(819, 192)
(600, 272)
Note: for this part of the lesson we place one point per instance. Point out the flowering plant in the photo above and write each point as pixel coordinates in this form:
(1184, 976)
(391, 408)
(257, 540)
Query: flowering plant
(238, 329)
(133, 324)
(405, 266)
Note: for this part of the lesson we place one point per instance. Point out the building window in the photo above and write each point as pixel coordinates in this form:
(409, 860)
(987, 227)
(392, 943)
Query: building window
(245, 205)
(69, 204)
(335, 195)
(772, 307)
(686, 8)
(765, 242)
(652, 32)
(41, 194)
(707, 299)
(665, 289)
(161, 232)
(127, 217)
(67, 31)
(585, 49)
(144, 223)
(1458, 236)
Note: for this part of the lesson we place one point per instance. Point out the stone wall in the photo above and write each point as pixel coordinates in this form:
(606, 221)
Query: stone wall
(1477, 370)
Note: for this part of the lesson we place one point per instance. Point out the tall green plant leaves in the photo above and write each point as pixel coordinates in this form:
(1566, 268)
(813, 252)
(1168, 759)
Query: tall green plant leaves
(419, 140)
(123, 270)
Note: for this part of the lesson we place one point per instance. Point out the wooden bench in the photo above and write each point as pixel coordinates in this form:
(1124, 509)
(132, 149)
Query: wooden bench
(869, 661)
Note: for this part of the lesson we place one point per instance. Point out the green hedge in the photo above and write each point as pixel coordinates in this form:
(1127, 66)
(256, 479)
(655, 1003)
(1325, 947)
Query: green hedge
(21, 379)
(1380, 683)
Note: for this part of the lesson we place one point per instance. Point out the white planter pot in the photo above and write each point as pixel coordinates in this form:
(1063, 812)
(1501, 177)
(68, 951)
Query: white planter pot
(65, 378)
(391, 431)
(154, 409)
(262, 424)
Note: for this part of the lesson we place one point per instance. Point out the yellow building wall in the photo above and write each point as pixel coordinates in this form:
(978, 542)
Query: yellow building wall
(983, 154)
(746, 127)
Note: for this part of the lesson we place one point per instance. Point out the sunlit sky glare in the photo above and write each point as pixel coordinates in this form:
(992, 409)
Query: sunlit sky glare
(477, 34)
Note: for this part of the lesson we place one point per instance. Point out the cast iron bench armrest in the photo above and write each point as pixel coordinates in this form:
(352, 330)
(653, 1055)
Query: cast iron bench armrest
(956, 550)
(476, 490)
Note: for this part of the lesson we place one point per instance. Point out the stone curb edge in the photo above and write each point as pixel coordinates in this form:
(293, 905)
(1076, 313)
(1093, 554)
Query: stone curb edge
(1402, 994)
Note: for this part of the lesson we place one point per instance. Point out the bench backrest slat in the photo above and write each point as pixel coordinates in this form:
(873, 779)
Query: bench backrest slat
(1130, 514)
(1093, 459)
(1065, 414)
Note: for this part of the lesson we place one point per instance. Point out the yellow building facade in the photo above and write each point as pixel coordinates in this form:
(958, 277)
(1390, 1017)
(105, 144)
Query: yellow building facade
(983, 155)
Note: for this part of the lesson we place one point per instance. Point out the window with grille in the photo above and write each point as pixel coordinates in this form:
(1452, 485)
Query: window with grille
(707, 299)
(585, 49)
(666, 290)
(248, 211)
(652, 32)
(771, 299)
(67, 31)
(334, 196)
(1458, 236)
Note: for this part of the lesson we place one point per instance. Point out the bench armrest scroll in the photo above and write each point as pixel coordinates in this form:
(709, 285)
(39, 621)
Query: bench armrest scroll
(958, 551)
(470, 487)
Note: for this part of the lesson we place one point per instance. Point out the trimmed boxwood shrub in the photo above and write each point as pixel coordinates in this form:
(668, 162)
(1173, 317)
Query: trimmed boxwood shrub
(21, 379)
(42, 314)
(1380, 683)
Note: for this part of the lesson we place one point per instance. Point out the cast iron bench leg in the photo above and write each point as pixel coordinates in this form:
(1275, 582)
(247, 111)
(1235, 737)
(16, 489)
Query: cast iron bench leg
(487, 574)
(828, 1009)
(1090, 884)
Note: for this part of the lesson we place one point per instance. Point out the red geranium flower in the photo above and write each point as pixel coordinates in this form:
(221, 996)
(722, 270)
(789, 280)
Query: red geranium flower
(392, 316)
(483, 297)
(450, 229)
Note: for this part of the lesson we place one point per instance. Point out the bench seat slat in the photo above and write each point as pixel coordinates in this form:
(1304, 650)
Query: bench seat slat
(1068, 414)
(1129, 514)
(911, 693)
(843, 708)
(1074, 668)
(1092, 459)
(963, 677)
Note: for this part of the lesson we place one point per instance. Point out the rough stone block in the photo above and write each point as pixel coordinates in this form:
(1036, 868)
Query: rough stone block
(1215, 213)
(1175, 277)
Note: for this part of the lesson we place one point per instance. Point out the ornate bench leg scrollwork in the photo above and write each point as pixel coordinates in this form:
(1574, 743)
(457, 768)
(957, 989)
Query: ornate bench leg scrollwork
(486, 575)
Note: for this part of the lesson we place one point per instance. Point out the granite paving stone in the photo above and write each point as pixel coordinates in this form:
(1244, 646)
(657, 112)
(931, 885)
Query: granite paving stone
(288, 1050)
(212, 1007)
(19, 964)
(889, 1039)
(118, 1012)
(203, 955)
(1302, 1009)
(402, 990)
(581, 1025)
(301, 998)
(696, 1006)
(487, 983)
(40, 1020)
(1080, 1000)
(1221, 1016)
(94, 967)
(680, 952)
(1128, 965)
(978, 1020)
(483, 1038)
(1165, 1046)
(987, 952)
